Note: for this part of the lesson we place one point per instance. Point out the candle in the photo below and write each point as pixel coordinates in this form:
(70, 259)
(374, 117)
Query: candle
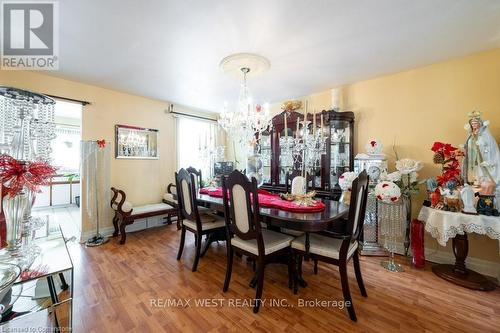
(297, 130)
(286, 127)
(322, 125)
(314, 121)
(305, 112)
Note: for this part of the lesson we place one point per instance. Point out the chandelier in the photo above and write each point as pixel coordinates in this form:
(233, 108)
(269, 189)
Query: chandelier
(247, 122)
(306, 148)
(27, 124)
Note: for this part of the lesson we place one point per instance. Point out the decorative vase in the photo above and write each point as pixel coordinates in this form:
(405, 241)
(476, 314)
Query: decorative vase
(345, 198)
(254, 168)
(14, 208)
(417, 243)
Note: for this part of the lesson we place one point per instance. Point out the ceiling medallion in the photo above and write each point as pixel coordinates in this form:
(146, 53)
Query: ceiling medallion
(256, 64)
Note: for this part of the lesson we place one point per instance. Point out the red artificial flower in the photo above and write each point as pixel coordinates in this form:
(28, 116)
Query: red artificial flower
(379, 197)
(444, 148)
(101, 143)
(15, 175)
(394, 199)
(373, 143)
(437, 146)
(385, 185)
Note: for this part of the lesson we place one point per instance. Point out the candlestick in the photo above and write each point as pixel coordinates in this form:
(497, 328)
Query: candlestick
(314, 121)
(286, 127)
(322, 126)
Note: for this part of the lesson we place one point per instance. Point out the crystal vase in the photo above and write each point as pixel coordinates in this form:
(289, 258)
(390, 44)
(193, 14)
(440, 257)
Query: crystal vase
(254, 168)
(14, 208)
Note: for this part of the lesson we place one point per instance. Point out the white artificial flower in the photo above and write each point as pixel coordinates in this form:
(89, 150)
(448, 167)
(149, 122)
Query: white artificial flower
(413, 177)
(345, 181)
(387, 191)
(407, 165)
(394, 176)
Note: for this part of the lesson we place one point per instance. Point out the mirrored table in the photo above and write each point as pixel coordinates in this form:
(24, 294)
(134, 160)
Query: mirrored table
(41, 299)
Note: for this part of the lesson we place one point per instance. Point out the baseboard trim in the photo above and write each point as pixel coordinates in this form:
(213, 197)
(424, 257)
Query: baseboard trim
(485, 267)
(106, 232)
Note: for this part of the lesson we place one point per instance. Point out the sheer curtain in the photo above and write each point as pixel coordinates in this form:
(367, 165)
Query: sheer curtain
(195, 139)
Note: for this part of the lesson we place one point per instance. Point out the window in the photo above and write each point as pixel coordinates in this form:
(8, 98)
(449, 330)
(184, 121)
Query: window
(66, 146)
(195, 139)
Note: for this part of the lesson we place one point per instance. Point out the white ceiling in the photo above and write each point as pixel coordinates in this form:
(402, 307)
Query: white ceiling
(170, 49)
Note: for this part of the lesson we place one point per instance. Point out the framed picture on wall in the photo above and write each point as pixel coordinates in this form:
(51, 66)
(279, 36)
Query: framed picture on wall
(133, 142)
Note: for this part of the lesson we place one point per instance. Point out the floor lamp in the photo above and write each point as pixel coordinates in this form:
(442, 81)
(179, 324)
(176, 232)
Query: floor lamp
(96, 165)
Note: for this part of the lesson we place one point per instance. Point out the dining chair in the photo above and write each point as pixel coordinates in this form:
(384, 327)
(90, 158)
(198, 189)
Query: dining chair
(191, 219)
(244, 233)
(197, 178)
(290, 178)
(339, 250)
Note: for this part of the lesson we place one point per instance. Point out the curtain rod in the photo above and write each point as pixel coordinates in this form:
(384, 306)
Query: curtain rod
(192, 116)
(69, 99)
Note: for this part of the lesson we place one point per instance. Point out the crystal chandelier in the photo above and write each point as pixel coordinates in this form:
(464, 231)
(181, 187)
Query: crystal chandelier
(27, 124)
(306, 148)
(249, 120)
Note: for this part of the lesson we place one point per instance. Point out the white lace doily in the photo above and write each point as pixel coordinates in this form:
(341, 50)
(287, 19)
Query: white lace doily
(443, 225)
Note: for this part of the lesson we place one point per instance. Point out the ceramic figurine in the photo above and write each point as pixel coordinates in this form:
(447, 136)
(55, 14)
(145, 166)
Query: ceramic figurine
(451, 198)
(435, 198)
(467, 195)
(486, 205)
(482, 156)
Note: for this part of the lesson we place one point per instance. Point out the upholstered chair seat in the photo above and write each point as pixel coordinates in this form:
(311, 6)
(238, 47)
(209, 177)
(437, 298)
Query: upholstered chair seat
(291, 232)
(273, 241)
(208, 221)
(323, 246)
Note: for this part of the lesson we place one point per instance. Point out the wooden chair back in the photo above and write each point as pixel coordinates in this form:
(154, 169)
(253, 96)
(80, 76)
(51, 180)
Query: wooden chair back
(186, 196)
(290, 176)
(241, 206)
(357, 206)
(197, 174)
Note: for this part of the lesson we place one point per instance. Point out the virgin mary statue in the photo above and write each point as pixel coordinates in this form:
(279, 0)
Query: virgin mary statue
(482, 156)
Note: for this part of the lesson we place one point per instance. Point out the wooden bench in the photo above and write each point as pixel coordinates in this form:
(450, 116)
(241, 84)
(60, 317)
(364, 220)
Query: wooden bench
(126, 213)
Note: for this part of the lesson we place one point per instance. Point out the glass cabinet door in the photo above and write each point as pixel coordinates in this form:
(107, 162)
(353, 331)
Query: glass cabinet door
(266, 152)
(340, 141)
(285, 137)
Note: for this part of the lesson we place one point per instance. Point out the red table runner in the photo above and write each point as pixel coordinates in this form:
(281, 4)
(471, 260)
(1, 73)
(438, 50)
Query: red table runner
(268, 199)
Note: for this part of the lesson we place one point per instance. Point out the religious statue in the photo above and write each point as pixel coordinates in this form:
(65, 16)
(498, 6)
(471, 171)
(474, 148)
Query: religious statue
(467, 194)
(481, 163)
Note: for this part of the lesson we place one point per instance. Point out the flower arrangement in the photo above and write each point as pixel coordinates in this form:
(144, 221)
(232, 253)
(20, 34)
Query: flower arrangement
(408, 180)
(290, 106)
(448, 156)
(387, 191)
(373, 146)
(15, 175)
(346, 179)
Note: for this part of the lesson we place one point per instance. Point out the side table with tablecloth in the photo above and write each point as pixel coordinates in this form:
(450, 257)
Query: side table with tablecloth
(443, 225)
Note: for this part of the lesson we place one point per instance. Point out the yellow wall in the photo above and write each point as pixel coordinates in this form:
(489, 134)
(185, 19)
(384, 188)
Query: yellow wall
(412, 109)
(144, 181)
(417, 107)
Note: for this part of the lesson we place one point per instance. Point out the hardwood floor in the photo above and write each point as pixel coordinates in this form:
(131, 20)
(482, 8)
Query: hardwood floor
(115, 287)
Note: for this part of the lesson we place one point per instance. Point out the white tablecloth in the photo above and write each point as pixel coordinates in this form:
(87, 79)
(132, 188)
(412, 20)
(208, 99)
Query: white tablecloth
(443, 225)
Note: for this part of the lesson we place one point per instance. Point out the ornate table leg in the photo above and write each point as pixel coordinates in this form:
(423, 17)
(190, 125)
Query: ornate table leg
(458, 273)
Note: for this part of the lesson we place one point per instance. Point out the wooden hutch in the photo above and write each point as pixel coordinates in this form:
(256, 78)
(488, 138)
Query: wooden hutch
(338, 158)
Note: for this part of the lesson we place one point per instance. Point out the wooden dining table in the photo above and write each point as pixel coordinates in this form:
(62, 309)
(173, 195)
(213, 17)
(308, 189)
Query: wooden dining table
(333, 217)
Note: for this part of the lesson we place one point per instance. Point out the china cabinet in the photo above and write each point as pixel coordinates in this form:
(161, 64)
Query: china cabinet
(337, 157)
